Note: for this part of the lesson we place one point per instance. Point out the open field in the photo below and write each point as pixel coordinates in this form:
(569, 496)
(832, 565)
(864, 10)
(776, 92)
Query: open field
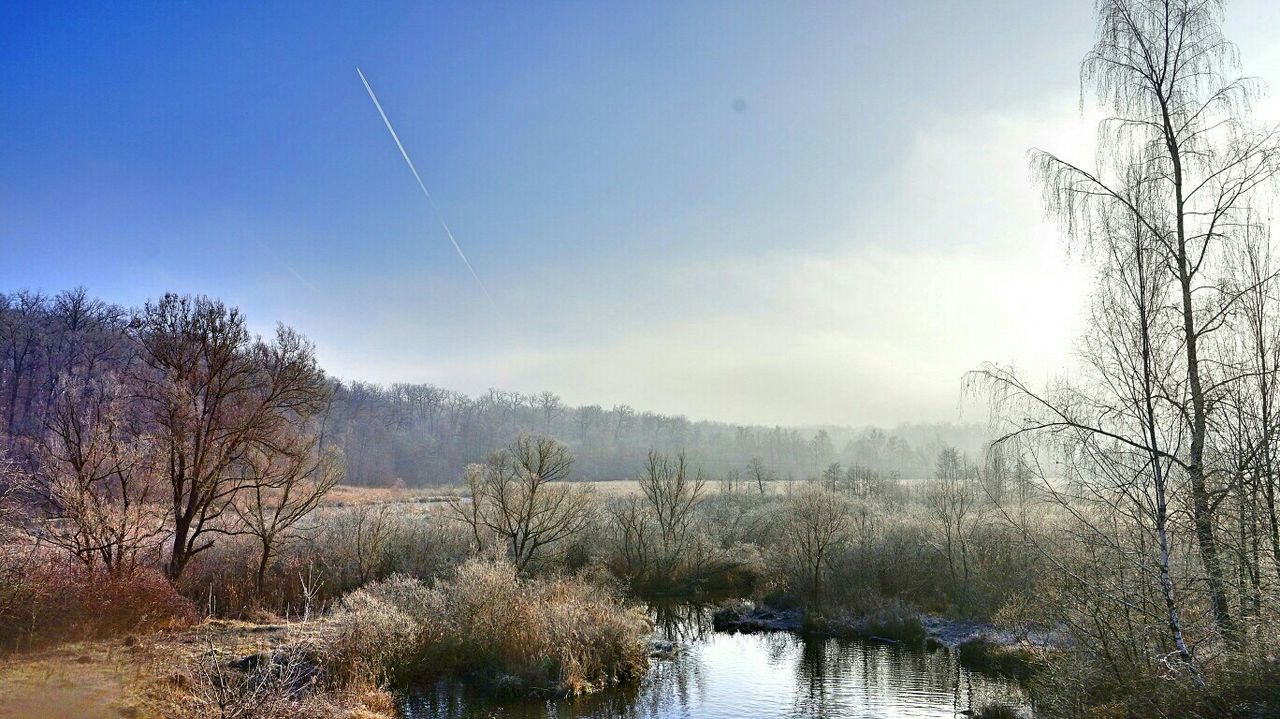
(348, 496)
(624, 487)
(351, 496)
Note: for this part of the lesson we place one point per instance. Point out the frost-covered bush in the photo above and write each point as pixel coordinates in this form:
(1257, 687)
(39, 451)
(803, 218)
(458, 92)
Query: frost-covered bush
(556, 635)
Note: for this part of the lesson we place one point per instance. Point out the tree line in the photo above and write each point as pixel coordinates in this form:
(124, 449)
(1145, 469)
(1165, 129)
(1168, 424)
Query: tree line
(134, 437)
(422, 434)
(426, 435)
(171, 424)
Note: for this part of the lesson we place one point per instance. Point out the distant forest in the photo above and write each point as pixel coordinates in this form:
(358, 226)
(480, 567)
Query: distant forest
(423, 435)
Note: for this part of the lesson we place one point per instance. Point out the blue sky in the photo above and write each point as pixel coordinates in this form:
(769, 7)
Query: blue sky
(764, 212)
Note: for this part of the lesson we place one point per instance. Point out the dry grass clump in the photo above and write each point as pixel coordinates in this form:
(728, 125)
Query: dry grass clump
(982, 654)
(893, 621)
(281, 684)
(555, 635)
(378, 632)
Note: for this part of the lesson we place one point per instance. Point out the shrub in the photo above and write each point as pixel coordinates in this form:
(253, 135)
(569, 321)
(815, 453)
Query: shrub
(54, 603)
(983, 655)
(378, 631)
(892, 621)
(739, 569)
(19, 583)
(337, 551)
(895, 621)
(555, 635)
(1240, 686)
(221, 579)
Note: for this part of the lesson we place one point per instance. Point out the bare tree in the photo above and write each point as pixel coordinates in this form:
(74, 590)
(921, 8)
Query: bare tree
(97, 496)
(1121, 436)
(758, 473)
(362, 538)
(624, 416)
(520, 497)
(1184, 166)
(469, 511)
(213, 396)
(632, 530)
(831, 477)
(816, 524)
(291, 482)
(23, 355)
(952, 499)
(12, 479)
(1257, 419)
(866, 483)
(673, 497)
(732, 481)
(550, 405)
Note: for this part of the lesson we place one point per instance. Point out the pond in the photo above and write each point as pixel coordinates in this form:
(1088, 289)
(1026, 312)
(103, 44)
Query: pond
(717, 675)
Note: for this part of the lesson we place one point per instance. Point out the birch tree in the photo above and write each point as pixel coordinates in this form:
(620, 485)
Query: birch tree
(1179, 170)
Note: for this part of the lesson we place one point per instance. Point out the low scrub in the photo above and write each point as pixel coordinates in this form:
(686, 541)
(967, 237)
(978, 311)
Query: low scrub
(1237, 687)
(335, 552)
(50, 603)
(535, 636)
(983, 655)
(892, 621)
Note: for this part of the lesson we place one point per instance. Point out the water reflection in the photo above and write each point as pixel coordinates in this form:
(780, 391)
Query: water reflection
(735, 676)
(681, 622)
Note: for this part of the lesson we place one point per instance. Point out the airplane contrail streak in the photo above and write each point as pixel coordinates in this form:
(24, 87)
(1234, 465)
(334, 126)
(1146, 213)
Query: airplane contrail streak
(422, 185)
(296, 274)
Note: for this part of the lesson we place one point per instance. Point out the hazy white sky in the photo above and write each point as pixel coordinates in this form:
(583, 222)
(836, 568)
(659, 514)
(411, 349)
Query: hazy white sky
(799, 213)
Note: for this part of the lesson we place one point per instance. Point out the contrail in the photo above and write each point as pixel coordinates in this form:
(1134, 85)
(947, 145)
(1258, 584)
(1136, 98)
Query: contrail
(422, 185)
(300, 278)
(297, 275)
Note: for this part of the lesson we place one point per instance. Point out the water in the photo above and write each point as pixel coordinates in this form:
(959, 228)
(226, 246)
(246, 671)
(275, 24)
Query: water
(745, 676)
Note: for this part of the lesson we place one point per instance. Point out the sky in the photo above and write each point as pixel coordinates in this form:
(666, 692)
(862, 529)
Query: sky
(776, 213)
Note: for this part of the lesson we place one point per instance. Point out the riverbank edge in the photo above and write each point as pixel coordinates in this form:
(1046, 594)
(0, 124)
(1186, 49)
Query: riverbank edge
(979, 646)
(150, 676)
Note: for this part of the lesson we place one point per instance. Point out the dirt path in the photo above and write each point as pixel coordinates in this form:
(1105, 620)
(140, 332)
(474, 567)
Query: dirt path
(76, 682)
(118, 678)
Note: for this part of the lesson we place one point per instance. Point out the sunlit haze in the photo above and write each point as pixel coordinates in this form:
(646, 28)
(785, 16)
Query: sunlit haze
(767, 212)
